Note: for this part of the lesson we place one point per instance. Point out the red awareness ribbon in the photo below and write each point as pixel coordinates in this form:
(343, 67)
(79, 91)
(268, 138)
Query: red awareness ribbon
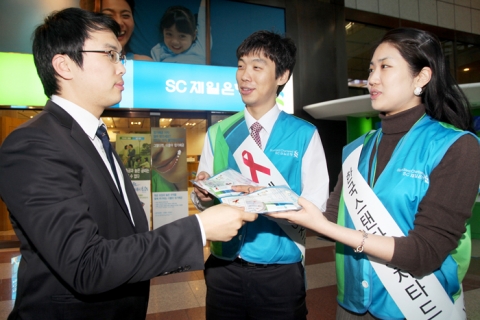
(254, 167)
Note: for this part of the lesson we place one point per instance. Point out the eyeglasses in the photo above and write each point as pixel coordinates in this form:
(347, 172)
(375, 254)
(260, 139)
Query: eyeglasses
(113, 55)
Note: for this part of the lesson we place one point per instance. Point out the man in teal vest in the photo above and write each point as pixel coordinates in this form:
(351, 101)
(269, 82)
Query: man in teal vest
(259, 274)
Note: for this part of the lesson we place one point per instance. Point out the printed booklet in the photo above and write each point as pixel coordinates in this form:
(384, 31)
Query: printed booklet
(270, 199)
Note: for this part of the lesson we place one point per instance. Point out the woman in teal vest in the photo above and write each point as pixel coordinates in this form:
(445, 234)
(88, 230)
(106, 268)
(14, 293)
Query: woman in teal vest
(400, 209)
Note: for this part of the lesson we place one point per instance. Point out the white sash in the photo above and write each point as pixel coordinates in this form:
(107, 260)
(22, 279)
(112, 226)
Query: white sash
(417, 298)
(255, 165)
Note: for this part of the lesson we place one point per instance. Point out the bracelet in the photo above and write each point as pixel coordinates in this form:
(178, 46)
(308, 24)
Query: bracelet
(359, 249)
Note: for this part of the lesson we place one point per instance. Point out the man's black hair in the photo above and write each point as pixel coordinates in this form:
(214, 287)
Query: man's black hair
(281, 50)
(65, 32)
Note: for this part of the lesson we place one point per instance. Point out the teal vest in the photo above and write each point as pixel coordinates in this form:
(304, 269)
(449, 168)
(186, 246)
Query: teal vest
(400, 187)
(262, 241)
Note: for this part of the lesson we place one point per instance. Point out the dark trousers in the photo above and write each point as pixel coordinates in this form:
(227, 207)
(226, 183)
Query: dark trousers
(241, 291)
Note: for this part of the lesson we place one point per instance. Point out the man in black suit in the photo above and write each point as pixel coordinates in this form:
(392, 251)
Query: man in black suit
(86, 249)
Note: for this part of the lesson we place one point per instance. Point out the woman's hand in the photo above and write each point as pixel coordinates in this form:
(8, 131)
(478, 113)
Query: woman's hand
(312, 218)
(309, 216)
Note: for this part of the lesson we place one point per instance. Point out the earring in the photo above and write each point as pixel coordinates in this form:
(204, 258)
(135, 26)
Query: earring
(417, 91)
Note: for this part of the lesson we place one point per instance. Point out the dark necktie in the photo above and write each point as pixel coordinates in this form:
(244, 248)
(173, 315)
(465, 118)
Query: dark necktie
(103, 135)
(256, 127)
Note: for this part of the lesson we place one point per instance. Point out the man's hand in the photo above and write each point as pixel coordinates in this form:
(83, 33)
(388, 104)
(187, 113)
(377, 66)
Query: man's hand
(202, 194)
(246, 189)
(221, 222)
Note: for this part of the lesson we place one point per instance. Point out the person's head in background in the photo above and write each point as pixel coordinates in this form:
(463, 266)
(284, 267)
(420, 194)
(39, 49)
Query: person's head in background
(408, 68)
(122, 12)
(119, 10)
(178, 27)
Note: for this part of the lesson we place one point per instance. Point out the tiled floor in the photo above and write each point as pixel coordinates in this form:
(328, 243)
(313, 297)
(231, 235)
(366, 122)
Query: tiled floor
(182, 296)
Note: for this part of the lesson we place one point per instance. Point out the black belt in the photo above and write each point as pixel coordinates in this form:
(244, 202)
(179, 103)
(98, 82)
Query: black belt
(247, 264)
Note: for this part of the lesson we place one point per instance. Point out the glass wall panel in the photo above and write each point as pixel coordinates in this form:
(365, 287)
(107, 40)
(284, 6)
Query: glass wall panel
(361, 39)
(462, 59)
(468, 63)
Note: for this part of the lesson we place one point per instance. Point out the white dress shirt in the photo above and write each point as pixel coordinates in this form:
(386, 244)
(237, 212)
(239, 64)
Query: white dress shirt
(89, 123)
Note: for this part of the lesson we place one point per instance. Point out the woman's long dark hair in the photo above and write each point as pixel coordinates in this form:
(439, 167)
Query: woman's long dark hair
(442, 97)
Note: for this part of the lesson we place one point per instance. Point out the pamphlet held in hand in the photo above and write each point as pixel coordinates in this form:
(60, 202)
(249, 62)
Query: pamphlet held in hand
(220, 185)
(270, 199)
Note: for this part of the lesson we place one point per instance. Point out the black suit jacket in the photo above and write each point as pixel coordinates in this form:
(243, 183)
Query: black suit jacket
(82, 257)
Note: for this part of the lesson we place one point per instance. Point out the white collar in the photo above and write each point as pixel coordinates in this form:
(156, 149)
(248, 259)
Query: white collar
(267, 120)
(87, 121)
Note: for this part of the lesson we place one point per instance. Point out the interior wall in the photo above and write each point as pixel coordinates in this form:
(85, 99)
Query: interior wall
(318, 29)
(16, 35)
(456, 15)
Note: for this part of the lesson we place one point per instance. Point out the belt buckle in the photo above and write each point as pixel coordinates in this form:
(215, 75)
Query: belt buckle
(250, 264)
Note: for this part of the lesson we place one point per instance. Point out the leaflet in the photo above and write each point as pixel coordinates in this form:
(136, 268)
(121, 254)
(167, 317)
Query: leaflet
(220, 185)
(266, 200)
(270, 199)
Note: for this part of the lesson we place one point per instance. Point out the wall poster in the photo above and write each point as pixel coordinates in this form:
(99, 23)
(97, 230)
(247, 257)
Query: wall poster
(135, 151)
(169, 175)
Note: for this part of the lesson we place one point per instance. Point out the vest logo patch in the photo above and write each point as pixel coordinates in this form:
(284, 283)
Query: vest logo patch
(287, 153)
(415, 174)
